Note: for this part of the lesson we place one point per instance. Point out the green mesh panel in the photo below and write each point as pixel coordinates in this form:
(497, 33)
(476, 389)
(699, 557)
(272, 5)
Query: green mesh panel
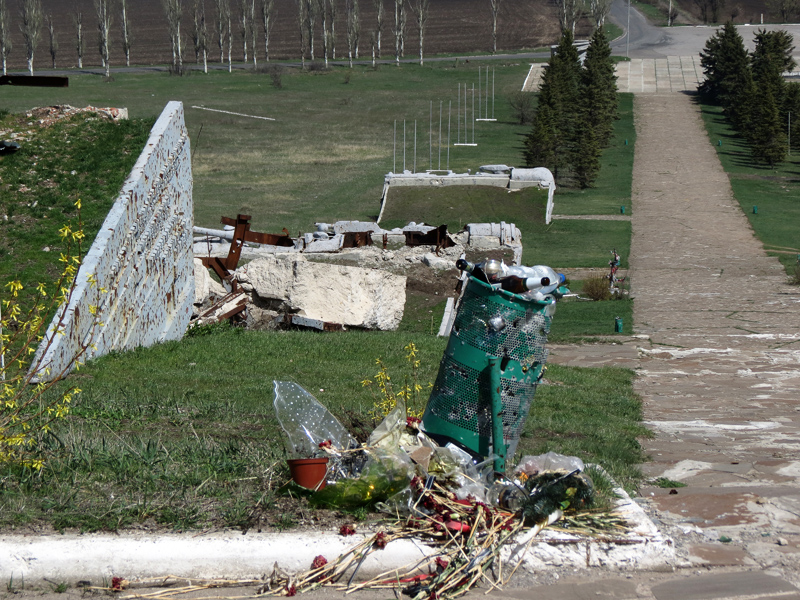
(522, 338)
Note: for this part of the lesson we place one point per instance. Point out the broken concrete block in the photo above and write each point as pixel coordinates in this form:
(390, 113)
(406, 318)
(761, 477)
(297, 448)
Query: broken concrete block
(350, 296)
(437, 262)
(204, 285)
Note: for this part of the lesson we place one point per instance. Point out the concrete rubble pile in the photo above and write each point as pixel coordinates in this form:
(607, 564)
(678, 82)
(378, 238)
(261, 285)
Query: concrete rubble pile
(298, 284)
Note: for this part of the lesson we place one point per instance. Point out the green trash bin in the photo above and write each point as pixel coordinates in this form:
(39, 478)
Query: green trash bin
(495, 333)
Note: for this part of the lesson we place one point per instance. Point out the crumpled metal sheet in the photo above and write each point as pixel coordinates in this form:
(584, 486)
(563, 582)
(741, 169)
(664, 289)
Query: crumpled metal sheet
(142, 256)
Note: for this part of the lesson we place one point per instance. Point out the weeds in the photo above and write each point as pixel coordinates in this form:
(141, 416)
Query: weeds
(664, 482)
(597, 288)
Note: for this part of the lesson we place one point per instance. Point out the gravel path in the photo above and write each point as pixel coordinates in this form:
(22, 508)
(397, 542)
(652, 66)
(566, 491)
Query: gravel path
(717, 353)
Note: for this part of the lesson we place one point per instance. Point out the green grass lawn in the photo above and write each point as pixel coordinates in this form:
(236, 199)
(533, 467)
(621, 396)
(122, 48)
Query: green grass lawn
(325, 155)
(183, 434)
(774, 191)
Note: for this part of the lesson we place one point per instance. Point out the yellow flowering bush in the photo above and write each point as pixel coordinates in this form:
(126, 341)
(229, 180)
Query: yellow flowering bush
(385, 397)
(26, 409)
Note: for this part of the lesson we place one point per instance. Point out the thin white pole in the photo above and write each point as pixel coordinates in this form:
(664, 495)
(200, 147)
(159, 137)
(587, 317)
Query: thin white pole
(459, 114)
(493, 92)
(487, 92)
(480, 112)
(415, 145)
(473, 113)
(430, 138)
(628, 33)
(466, 134)
(440, 134)
(449, 110)
(404, 145)
(394, 163)
(790, 133)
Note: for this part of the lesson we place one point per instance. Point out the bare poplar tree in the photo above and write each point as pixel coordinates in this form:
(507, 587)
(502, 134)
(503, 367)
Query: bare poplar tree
(325, 38)
(222, 9)
(267, 20)
(200, 33)
(125, 30)
(420, 10)
(495, 6)
(356, 26)
(332, 7)
(302, 21)
(569, 12)
(599, 10)
(353, 25)
(379, 14)
(399, 29)
(244, 26)
(31, 27)
(229, 37)
(312, 8)
(103, 11)
(173, 9)
(77, 18)
(5, 35)
(253, 31)
(51, 30)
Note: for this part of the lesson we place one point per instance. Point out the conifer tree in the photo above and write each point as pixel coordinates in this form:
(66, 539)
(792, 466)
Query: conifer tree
(599, 88)
(767, 137)
(587, 156)
(725, 63)
(541, 149)
(559, 92)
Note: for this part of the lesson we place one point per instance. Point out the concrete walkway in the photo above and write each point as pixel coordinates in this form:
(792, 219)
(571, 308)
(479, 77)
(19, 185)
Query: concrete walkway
(643, 75)
(718, 357)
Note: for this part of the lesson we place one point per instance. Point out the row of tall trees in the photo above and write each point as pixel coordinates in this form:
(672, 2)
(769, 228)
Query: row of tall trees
(577, 107)
(751, 89)
(31, 20)
(254, 18)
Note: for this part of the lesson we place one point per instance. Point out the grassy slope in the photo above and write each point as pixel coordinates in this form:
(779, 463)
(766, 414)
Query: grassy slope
(773, 191)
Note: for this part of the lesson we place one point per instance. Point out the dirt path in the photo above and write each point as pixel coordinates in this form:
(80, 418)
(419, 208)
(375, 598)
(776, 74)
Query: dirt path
(717, 352)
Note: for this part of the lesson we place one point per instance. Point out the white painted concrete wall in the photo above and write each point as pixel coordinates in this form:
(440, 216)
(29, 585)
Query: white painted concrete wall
(142, 255)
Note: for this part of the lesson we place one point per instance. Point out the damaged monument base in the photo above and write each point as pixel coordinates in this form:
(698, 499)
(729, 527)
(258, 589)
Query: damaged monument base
(350, 296)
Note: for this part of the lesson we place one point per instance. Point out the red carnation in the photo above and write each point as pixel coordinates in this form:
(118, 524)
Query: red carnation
(346, 530)
(319, 561)
(291, 590)
(380, 540)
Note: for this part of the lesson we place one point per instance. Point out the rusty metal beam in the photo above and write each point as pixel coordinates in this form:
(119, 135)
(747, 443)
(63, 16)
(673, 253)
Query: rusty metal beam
(436, 237)
(357, 239)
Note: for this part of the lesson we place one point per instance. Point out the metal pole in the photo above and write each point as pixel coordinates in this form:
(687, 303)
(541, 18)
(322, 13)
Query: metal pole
(473, 113)
(449, 110)
(493, 92)
(459, 114)
(415, 145)
(440, 134)
(394, 163)
(466, 135)
(404, 145)
(628, 33)
(430, 138)
(479, 92)
(487, 92)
